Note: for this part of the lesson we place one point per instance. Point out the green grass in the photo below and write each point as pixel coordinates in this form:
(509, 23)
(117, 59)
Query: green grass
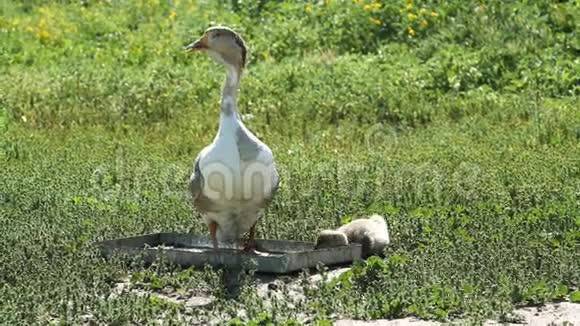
(463, 130)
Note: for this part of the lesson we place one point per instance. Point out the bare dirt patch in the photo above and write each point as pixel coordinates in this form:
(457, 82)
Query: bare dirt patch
(563, 313)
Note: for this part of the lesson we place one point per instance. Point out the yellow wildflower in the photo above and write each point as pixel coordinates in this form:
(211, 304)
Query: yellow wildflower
(308, 8)
(42, 34)
(411, 31)
(172, 14)
(422, 11)
(409, 5)
(433, 14)
(424, 23)
(44, 10)
(375, 21)
(411, 16)
(372, 6)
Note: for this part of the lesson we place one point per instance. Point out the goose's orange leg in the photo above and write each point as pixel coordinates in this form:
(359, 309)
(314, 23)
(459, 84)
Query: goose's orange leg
(251, 243)
(212, 234)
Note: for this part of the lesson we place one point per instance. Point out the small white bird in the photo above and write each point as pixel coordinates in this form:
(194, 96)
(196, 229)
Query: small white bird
(372, 233)
(234, 178)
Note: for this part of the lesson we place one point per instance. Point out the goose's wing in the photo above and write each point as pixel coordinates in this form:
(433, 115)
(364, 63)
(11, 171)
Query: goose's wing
(253, 151)
(196, 184)
(196, 180)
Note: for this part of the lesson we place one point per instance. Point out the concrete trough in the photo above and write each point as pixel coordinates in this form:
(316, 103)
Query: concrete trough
(272, 256)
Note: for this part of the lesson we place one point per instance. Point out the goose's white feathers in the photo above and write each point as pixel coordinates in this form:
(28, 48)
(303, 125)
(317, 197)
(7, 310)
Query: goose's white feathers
(234, 178)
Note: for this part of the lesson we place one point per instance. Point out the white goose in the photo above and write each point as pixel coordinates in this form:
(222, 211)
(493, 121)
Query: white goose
(234, 178)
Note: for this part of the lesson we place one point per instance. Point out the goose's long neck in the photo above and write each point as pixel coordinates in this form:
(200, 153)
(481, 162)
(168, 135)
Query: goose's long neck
(229, 93)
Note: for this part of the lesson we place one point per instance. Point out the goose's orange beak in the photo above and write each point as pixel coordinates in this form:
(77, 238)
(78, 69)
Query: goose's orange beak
(200, 44)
